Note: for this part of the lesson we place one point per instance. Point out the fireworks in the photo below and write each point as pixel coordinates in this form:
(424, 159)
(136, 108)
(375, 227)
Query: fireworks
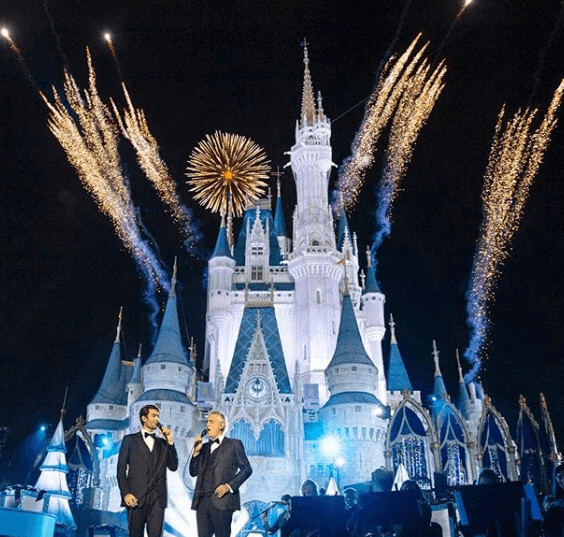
(393, 82)
(110, 43)
(413, 110)
(134, 127)
(15, 49)
(90, 142)
(516, 154)
(226, 172)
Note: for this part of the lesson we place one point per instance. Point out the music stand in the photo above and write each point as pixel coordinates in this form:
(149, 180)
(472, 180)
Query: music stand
(496, 505)
(387, 511)
(325, 515)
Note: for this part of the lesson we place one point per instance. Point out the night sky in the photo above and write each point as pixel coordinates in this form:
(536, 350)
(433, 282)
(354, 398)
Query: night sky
(236, 66)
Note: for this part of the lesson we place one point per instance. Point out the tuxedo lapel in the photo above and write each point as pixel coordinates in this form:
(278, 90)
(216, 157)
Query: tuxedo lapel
(144, 448)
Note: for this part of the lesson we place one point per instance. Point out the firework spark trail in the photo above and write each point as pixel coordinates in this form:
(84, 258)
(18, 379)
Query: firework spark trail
(392, 83)
(110, 43)
(90, 143)
(134, 127)
(461, 11)
(15, 49)
(413, 110)
(515, 157)
(227, 171)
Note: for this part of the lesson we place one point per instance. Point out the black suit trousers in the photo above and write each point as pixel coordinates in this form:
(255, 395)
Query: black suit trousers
(150, 513)
(210, 521)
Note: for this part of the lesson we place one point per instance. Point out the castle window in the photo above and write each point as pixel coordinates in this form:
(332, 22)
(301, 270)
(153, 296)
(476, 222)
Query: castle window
(179, 368)
(346, 432)
(354, 368)
(182, 409)
(371, 433)
(315, 243)
(256, 273)
(318, 296)
(320, 469)
(355, 432)
(336, 371)
(163, 366)
(364, 433)
(358, 408)
(111, 407)
(333, 412)
(257, 250)
(348, 255)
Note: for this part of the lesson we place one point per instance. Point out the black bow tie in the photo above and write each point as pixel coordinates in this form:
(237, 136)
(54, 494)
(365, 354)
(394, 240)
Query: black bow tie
(152, 435)
(216, 441)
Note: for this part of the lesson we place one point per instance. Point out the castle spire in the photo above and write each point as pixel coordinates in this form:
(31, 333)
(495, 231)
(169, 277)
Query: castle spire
(463, 397)
(168, 347)
(371, 283)
(439, 388)
(398, 379)
(279, 220)
(308, 101)
(112, 388)
(222, 244)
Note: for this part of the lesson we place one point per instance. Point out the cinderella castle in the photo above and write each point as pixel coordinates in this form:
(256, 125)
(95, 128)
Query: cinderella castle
(294, 358)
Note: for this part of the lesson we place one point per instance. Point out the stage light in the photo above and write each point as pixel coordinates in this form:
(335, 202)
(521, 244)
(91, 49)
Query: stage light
(340, 462)
(5, 33)
(43, 428)
(331, 446)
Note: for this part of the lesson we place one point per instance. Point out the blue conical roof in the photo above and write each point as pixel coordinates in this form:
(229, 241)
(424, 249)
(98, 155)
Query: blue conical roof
(222, 245)
(398, 379)
(112, 389)
(439, 388)
(371, 283)
(349, 349)
(169, 346)
(279, 220)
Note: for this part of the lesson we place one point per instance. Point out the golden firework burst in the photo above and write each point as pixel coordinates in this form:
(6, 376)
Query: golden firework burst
(227, 171)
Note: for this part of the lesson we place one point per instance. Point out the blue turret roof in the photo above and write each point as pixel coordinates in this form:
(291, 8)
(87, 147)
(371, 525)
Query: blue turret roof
(222, 244)
(271, 336)
(349, 349)
(136, 376)
(398, 379)
(279, 220)
(164, 395)
(352, 397)
(169, 346)
(113, 387)
(265, 215)
(371, 283)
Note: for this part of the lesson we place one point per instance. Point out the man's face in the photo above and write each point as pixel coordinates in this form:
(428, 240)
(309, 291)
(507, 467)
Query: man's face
(151, 419)
(214, 425)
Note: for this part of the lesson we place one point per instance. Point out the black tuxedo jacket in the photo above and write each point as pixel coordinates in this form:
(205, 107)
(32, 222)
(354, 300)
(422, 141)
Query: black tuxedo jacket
(229, 465)
(137, 465)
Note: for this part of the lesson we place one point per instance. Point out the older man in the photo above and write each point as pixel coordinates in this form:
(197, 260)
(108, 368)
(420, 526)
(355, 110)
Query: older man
(221, 467)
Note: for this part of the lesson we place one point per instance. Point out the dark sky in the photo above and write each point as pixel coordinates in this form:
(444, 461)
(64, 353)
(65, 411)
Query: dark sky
(236, 66)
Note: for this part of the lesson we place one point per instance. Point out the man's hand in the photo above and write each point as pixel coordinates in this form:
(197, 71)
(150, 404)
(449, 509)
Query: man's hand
(222, 490)
(198, 445)
(167, 433)
(130, 500)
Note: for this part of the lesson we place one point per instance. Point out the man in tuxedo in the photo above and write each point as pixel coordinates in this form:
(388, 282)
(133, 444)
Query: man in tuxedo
(141, 474)
(221, 467)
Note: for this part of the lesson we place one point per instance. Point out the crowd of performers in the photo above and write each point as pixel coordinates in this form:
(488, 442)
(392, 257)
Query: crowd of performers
(408, 512)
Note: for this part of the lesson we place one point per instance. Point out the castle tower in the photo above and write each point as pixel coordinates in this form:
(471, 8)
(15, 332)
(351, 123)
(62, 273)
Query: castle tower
(352, 412)
(463, 397)
(313, 261)
(221, 267)
(167, 376)
(373, 308)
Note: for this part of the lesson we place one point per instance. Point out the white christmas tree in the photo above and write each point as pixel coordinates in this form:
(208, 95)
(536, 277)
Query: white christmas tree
(53, 479)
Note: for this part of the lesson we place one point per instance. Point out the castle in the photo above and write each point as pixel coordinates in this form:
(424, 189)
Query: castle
(293, 357)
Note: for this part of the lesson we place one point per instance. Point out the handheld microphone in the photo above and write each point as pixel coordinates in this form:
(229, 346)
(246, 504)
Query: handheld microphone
(202, 434)
(160, 426)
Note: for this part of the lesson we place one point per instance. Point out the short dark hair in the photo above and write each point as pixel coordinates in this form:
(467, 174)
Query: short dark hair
(145, 411)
